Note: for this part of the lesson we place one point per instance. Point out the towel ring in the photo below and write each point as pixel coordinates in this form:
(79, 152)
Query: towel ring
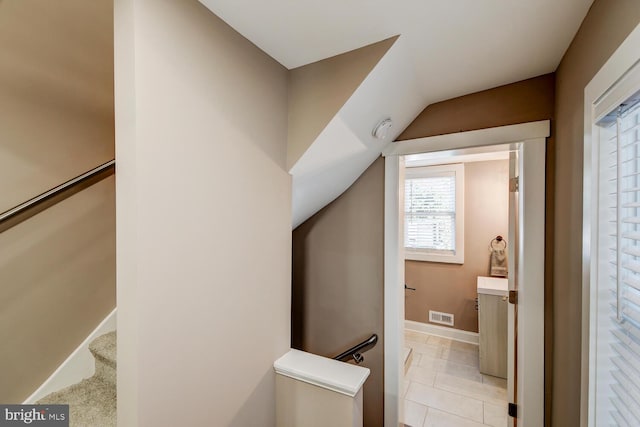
(498, 240)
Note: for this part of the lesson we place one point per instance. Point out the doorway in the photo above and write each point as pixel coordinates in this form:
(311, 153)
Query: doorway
(456, 219)
(526, 143)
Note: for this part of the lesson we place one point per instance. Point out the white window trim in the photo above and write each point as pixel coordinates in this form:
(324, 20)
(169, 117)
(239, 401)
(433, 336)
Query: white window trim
(457, 257)
(601, 94)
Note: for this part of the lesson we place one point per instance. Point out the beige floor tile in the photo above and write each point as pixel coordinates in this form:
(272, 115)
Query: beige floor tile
(417, 357)
(495, 415)
(421, 374)
(459, 345)
(457, 369)
(436, 418)
(444, 382)
(436, 340)
(415, 336)
(449, 343)
(473, 389)
(462, 371)
(412, 343)
(431, 362)
(446, 401)
(414, 413)
(464, 357)
(427, 349)
(494, 381)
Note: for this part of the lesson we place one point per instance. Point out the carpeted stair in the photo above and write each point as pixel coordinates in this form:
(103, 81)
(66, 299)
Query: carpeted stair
(92, 402)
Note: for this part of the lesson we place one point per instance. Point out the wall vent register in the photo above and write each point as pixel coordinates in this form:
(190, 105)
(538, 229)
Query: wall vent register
(441, 318)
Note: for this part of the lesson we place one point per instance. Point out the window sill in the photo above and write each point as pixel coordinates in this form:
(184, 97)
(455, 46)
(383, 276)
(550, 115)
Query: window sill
(434, 257)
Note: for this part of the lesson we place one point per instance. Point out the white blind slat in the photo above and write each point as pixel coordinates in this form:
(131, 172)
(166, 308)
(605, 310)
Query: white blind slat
(430, 212)
(619, 231)
(632, 236)
(631, 250)
(625, 405)
(633, 282)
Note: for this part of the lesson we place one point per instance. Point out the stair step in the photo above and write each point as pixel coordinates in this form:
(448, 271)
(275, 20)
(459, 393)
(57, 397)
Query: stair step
(104, 351)
(104, 347)
(92, 402)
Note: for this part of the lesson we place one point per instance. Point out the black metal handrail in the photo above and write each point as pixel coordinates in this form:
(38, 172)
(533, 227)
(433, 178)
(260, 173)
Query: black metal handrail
(31, 207)
(355, 352)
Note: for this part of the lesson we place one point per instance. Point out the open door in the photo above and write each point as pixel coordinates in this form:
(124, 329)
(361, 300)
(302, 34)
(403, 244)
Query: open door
(525, 386)
(512, 328)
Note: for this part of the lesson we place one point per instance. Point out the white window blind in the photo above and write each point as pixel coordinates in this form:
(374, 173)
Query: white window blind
(433, 213)
(618, 317)
(430, 212)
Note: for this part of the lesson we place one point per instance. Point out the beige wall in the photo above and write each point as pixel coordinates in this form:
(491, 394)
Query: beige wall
(202, 187)
(302, 404)
(318, 91)
(604, 28)
(451, 288)
(57, 271)
(525, 101)
(338, 299)
(329, 266)
(56, 93)
(528, 100)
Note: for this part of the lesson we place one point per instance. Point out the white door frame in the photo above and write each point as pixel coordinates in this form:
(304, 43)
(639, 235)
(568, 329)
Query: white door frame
(530, 138)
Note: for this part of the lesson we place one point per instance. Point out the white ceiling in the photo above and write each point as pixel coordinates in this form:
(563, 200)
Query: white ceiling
(457, 46)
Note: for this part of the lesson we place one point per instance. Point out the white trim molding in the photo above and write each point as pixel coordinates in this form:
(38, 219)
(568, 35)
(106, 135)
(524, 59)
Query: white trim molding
(393, 292)
(605, 84)
(79, 365)
(530, 283)
(475, 138)
(529, 141)
(442, 331)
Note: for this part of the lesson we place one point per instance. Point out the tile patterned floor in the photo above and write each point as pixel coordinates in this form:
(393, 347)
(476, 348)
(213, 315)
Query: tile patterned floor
(444, 387)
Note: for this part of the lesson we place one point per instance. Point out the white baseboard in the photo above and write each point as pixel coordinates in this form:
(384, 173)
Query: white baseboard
(441, 331)
(78, 366)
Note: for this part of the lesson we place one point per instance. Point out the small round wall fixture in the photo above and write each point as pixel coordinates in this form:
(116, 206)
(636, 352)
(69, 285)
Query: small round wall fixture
(382, 129)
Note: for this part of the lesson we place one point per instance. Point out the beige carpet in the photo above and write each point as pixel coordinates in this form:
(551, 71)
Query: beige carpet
(92, 402)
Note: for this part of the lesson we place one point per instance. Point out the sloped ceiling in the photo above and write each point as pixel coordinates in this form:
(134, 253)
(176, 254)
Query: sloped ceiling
(345, 146)
(416, 53)
(319, 90)
(456, 46)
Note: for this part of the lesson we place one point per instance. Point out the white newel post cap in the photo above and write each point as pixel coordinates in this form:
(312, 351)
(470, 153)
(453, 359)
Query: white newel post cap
(323, 372)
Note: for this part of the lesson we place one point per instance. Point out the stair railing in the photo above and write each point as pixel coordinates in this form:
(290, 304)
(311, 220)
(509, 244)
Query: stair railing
(37, 204)
(356, 351)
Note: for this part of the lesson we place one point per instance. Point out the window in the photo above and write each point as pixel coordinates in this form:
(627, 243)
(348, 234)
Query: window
(434, 213)
(617, 314)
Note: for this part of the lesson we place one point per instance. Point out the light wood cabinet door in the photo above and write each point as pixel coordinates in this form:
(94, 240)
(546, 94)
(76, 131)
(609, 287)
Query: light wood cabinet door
(492, 325)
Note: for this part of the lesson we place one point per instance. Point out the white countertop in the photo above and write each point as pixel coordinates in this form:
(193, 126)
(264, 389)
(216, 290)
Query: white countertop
(493, 286)
(327, 373)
